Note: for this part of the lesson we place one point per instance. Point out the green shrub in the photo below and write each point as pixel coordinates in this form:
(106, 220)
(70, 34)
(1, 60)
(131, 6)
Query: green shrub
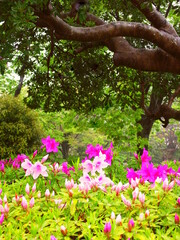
(20, 129)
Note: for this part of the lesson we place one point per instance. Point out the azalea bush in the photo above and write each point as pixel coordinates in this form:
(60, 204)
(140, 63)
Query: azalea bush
(47, 199)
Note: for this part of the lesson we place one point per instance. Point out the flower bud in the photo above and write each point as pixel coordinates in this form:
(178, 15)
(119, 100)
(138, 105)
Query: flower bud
(47, 193)
(27, 189)
(63, 230)
(1, 219)
(178, 201)
(135, 193)
(130, 224)
(141, 198)
(107, 228)
(118, 220)
(113, 216)
(24, 203)
(6, 208)
(176, 218)
(165, 184)
(39, 194)
(34, 187)
(5, 199)
(34, 153)
(31, 202)
(147, 213)
(141, 216)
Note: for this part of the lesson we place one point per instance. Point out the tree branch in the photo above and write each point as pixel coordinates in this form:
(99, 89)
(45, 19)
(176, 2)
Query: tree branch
(154, 16)
(104, 32)
(175, 94)
(147, 60)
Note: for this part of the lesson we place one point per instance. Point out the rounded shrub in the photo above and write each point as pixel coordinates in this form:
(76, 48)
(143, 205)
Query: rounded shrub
(20, 129)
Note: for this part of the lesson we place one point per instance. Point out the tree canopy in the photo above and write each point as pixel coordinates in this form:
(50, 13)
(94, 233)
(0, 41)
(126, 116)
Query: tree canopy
(76, 53)
(111, 24)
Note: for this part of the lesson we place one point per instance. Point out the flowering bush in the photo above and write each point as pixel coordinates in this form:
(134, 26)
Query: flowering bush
(56, 201)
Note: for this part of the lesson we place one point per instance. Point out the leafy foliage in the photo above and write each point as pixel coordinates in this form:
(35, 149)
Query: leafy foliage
(20, 129)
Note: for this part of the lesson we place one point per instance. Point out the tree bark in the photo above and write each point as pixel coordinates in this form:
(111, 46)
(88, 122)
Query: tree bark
(147, 124)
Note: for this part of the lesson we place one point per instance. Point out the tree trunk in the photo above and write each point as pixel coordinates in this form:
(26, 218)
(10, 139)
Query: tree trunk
(65, 149)
(147, 124)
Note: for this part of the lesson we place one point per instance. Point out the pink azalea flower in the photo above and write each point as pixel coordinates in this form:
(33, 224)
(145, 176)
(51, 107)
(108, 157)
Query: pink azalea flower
(145, 157)
(27, 165)
(148, 172)
(93, 151)
(51, 144)
(87, 166)
(39, 169)
(132, 174)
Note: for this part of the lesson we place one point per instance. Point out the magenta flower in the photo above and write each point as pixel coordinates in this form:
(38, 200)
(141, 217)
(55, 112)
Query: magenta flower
(39, 169)
(132, 174)
(1, 219)
(92, 151)
(107, 228)
(148, 172)
(51, 144)
(145, 157)
(0, 191)
(65, 168)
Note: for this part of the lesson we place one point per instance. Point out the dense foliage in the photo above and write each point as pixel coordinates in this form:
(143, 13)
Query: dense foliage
(20, 129)
(55, 201)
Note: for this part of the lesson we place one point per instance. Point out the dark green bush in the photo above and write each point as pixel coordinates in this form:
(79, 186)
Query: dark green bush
(20, 129)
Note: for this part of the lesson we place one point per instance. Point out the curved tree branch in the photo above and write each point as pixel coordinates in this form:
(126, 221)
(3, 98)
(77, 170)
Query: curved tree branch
(154, 16)
(163, 40)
